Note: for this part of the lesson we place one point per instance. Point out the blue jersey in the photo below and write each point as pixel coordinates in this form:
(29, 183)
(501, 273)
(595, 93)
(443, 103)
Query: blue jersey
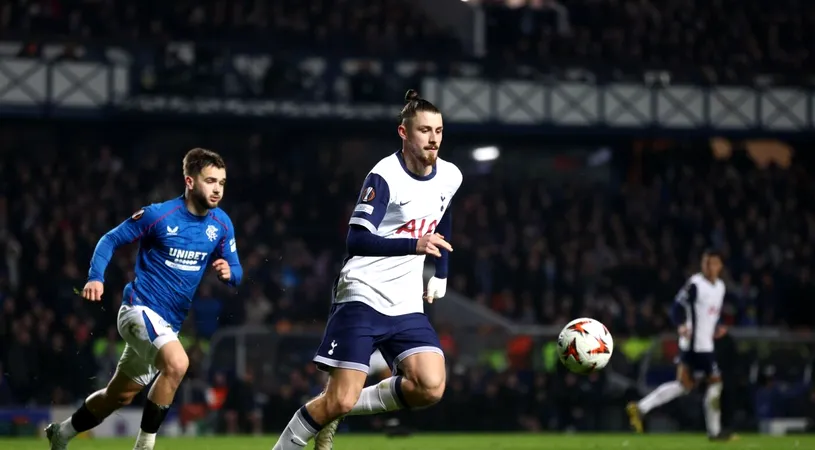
(175, 249)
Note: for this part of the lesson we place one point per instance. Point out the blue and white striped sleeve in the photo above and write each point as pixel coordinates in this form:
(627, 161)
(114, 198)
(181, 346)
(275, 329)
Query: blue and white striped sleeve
(372, 203)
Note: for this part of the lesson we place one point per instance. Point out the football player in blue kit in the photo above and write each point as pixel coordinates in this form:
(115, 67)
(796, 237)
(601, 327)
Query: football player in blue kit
(178, 239)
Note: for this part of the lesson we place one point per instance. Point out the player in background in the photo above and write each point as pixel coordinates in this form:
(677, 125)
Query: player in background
(696, 312)
(402, 214)
(177, 240)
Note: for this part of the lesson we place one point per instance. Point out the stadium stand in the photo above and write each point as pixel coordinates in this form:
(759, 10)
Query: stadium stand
(717, 42)
(380, 27)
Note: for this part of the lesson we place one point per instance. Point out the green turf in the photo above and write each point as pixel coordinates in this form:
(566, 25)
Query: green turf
(451, 442)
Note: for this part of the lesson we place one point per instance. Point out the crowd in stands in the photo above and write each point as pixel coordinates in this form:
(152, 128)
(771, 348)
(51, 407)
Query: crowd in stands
(381, 27)
(720, 42)
(724, 41)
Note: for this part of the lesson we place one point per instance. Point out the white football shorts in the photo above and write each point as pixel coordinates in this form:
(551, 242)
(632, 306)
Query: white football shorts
(144, 332)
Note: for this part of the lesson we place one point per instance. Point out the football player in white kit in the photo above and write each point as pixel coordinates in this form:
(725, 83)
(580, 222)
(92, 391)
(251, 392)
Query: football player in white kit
(696, 312)
(402, 214)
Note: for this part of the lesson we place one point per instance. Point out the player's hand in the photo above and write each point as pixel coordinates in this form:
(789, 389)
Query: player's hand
(721, 331)
(222, 268)
(93, 291)
(684, 331)
(431, 244)
(436, 288)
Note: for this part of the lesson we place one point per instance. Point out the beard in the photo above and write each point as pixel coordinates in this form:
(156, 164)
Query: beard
(201, 200)
(426, 157)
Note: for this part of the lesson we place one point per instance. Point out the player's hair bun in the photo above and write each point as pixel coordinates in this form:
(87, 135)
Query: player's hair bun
(415, 104)
(411, 95)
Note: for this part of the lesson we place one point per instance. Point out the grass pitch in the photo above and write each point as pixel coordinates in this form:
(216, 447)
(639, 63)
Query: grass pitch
(451, 442)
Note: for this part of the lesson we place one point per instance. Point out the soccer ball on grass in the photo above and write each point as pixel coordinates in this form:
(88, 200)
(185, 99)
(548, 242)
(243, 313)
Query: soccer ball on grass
(585, 346)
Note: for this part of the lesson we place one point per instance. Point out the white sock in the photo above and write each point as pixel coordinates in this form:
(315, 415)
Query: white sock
(298, 432)
(66, 429)
(145, 440)
(379, 398)
(713, 410)
(661, 395)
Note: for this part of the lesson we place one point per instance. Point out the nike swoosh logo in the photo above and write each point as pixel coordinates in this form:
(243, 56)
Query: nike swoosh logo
(405, 203)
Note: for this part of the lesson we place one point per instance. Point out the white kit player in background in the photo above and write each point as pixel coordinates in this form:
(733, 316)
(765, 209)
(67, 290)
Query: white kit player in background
(696, 312)
(402, 214)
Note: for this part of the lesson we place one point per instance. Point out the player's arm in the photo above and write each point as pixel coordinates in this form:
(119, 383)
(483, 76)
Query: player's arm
(445, 229)
(361, 242)
(721, 327)
(365, 220)
(437, 285)
(134, 228)
(683, 301)
(228, 265)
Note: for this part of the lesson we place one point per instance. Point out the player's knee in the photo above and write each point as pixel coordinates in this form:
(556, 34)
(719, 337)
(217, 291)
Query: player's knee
(340, 403)
(684, 378)
(687, 384)
(175, 367)
(430, 388)
(345, 404)
(714, 391)
(123, 399)
(433, 394)
(116, 400)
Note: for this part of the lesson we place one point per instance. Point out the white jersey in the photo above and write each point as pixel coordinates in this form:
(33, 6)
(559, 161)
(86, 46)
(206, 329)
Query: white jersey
(396, 204)
(702, 301)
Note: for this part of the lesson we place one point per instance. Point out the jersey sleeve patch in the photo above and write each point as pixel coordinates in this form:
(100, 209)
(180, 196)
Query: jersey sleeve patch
(369, 194)
(138, 214)
(367, 209)
(372, 203)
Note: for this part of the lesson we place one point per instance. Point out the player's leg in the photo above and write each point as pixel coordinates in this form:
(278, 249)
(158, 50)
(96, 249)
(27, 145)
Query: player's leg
(377, 367)
(324, 412)
(159, 352)
(120, 391)
(344, 353)
(425, 376)
(663, 394)
(172, 362)
(414, 351)
(381, 370)
(133, 373)
(419, 374)
(381, 397)
(713, 403)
